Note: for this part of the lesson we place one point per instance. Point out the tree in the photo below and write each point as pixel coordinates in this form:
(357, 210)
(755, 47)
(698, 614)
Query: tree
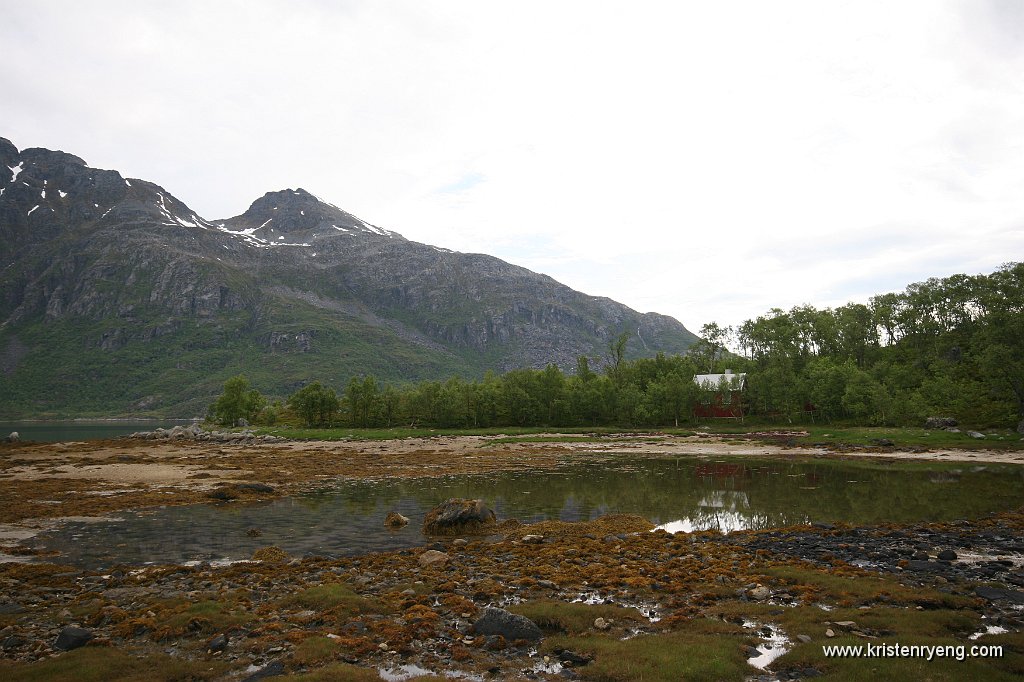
(315, 404)
(237, 402)
(617, 352)
(362, 397)
(711, 346)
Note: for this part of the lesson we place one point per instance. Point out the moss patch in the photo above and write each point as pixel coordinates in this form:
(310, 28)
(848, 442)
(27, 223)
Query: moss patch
(690, 655)
(101, 664)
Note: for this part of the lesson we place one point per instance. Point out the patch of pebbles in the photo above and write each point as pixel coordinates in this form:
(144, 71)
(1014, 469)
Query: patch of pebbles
(195, 432)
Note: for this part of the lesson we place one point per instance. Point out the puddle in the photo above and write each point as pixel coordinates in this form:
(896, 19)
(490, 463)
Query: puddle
(648, 610)
(403, 672)
(773, 646)
(989, 630)
(972, 558)
(409, 671)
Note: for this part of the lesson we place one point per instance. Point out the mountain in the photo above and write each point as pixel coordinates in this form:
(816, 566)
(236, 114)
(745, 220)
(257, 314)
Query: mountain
(117, 298)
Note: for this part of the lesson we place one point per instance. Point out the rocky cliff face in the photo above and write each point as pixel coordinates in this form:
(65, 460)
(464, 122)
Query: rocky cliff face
(114, 294)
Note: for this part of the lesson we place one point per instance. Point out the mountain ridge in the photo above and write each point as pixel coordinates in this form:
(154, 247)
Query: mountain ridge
(159, 305)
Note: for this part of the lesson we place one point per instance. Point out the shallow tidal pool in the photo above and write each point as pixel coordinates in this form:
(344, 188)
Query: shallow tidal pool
(684, 494)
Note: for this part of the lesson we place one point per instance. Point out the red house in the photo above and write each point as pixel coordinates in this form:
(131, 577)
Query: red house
(721, 395)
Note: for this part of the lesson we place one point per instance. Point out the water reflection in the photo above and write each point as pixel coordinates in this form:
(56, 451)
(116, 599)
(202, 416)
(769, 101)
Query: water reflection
(681, 495)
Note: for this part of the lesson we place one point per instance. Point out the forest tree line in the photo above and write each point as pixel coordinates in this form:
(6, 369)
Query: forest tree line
(944, 347)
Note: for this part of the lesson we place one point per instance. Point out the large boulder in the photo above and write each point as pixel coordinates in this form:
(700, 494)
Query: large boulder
(496, 621)
(459, 517)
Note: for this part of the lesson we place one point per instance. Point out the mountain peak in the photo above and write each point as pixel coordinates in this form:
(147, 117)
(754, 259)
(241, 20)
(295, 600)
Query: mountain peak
(296, 213)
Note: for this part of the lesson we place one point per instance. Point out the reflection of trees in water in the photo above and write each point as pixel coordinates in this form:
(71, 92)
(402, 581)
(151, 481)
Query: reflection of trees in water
(760, 493)
(685, 494)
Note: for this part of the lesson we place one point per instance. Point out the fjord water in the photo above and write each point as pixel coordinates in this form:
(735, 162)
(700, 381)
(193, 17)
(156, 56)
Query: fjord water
(346, 518)
(83, 429)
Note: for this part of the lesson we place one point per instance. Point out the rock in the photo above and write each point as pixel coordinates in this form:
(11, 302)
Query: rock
(975, 434)
(806, 639)
(72, 637)
(432, 557)
(884, 442)
(571, 658)
(920, 556)
(939, 422)
(496, 621)
(830, 633)
(601, 624)
(225, 494)
(272, 669)
(395, 520)
(270, 555)
(947, 555)
(13, 437)
(997, 594)
(218, 643)
(760, 593)
(243, 422)
(254, 487)
(457, 517)
(918, 565)
(533, 539)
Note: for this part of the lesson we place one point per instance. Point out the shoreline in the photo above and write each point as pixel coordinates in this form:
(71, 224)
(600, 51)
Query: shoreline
(606, 593)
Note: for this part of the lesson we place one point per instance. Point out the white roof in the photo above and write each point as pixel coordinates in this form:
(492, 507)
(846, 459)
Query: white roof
(714, 380)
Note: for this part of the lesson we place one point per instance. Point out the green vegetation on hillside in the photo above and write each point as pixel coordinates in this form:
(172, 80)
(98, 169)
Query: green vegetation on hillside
(952, 347)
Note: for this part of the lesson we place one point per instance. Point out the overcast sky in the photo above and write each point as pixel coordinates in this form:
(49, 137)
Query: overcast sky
(706, 160)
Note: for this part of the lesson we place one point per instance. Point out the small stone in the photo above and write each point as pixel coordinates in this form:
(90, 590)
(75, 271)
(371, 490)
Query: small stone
(845, 623)
(760, 593)
(830, 633)
(382, 646)
(72, 637)
(601, 624)
(947, 555)
(14, 437)
(533, 539)
(975, 434)
(218, 643)
(806, 639)
(432, 557)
